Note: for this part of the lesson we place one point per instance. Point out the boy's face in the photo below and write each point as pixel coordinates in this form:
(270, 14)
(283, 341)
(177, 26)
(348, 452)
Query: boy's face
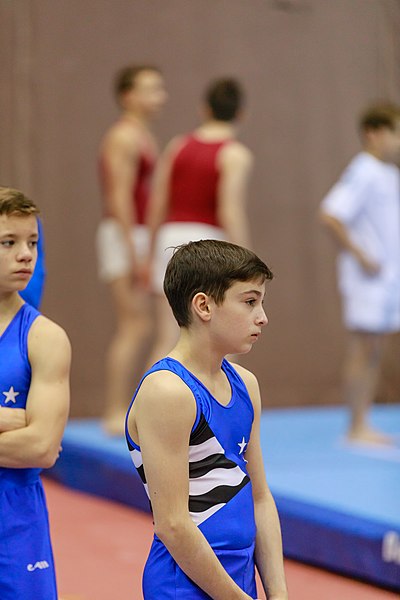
(237, 322)
(385, 143)
(148, 94)
(18, 251)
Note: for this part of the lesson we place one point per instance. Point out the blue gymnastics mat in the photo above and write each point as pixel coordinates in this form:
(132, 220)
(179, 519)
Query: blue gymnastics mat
(339, 503)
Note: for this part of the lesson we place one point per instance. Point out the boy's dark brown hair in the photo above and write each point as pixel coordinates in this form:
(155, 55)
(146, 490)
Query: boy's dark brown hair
(211, 267)
(378, 116)
(14, 202)
(125, 78)
(225, 98)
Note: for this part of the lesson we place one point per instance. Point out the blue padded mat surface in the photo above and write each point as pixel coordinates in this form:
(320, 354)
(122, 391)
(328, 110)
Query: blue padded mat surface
(339, 503)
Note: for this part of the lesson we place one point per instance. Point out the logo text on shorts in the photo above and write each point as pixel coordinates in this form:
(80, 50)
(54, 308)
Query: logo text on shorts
(41, 564)
(391, 547)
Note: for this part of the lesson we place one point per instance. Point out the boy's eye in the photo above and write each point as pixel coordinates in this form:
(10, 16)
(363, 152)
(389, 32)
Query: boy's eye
(251, 302)
(7, 243)
(33, 243)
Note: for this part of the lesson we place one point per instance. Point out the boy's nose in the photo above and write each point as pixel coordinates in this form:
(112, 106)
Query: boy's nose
(263, 319)
(25, 254)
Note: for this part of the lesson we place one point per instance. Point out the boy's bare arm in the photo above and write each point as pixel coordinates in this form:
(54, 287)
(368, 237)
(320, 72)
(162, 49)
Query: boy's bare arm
(12, 418)
(119, 153)
(38, 443)
(269, 553)
(158, 204)
(235, 164)
(165, 413)
(342, 237)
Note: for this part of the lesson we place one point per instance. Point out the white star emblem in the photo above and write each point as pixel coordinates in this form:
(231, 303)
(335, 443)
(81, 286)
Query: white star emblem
(10, 395)
(242, 445)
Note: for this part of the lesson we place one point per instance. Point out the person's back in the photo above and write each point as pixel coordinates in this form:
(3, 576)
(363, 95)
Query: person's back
(200, 193)
(193, 185)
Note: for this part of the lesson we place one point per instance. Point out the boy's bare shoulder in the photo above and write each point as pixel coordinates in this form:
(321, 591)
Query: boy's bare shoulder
(119, 137)
(248, 377)
(236, 154)
(47, 330)
(47, 339)
(166, 400)
(163, 389)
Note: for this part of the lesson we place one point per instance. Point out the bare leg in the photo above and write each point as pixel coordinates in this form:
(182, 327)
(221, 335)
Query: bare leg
(361, 374)
(167, 330)
(132, 329)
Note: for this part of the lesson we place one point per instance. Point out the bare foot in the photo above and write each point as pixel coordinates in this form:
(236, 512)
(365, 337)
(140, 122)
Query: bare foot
(114, 425)
(366, 435)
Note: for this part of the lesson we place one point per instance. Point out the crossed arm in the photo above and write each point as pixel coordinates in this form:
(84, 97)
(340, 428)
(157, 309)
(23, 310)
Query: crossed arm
(31, 438)
(12, 418)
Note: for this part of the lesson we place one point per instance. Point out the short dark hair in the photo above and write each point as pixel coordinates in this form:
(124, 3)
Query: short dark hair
(125, 78)
(209, 266)
(14, 202)
(225, 98)
(378, 116)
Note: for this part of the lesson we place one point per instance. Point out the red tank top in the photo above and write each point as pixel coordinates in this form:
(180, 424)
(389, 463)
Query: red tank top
(140, 190)
(194, 182)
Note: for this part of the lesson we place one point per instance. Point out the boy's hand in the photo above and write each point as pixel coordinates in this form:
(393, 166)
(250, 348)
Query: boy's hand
(145, 273)
(370, 266)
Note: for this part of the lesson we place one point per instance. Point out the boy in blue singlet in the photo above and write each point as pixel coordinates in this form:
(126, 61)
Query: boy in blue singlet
(193, 434)
(34, 403)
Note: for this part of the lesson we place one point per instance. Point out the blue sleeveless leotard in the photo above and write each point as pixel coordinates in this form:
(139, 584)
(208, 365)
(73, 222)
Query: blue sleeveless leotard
(26, 558)
(220, 494)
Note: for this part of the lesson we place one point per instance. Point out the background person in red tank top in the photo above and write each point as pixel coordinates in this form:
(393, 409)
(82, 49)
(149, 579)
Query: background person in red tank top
(126, 161)
(200, 192)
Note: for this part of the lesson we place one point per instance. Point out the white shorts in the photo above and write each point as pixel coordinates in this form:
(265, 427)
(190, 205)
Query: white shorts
(112, 253)
(371, 303)
(171, 235)
(377, 312)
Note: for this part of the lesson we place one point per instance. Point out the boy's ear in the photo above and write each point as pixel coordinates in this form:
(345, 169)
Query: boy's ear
(201, 306)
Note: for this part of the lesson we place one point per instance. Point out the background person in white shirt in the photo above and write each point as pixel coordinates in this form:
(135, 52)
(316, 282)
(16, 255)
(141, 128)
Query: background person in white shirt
(362, 211)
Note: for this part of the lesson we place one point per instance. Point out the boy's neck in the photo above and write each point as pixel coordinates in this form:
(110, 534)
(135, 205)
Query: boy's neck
(196, 356)
(10, 303)
(140, 120)
(375, 153)
(216, 130)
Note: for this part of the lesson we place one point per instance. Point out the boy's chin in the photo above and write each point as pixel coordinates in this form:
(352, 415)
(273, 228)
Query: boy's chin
(240, 351)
